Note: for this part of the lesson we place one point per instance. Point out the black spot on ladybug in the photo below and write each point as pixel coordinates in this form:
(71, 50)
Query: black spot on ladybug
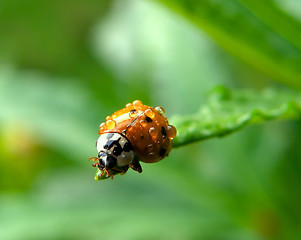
(110, 135)
(127, 147)
(109, 144)
(117, 149)
(148, 119)
(162, 152)
(133, 111)
(111, 162)
(163, 131)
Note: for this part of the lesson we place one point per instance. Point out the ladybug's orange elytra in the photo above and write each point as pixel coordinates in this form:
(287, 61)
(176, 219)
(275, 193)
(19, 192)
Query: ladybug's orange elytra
(132, 134)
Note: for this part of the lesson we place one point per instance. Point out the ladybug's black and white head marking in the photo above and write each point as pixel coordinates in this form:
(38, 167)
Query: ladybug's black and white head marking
(114, 150)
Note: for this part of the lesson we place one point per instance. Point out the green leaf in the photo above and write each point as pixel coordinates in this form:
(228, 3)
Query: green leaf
(259, 33)
(228, 111)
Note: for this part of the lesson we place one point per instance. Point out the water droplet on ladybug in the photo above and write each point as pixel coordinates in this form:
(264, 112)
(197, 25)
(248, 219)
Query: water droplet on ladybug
(133, 113)
(143, 123)
(110, 124)
(160, 110)
(153, 132)
(172, 131)
(149, 148)
(134, 137)
(128, 105)
(157, 123)
(137, 103)
(108, 118)
(149, 113)
(151, 155)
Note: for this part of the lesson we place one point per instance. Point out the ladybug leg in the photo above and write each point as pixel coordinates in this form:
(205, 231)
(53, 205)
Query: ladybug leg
(119, 170)
(112, 172)
(93, 159)
(124, 169)
(135, 165)
(109, 173)
(104, 172)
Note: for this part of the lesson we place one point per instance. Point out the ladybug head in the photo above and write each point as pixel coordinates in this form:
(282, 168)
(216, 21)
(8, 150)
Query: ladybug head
(106, 160)
(114, 150)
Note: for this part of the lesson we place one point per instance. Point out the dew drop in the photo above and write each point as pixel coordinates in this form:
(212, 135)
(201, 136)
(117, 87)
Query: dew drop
(153, 132)
(172, 131)
(137, 103)
(108, 118)
(110, 124)
(160, 110)
(157, 123)
(143, 123)
(134, 138)
(151, 155)
(149, 148)
(133, 113)
(149, 113)
(128, 105)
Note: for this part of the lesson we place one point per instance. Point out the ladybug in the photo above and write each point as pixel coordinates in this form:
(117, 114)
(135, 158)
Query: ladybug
(133, 134)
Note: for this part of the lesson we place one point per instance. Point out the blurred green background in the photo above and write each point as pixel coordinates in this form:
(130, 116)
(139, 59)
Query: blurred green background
(66, 65)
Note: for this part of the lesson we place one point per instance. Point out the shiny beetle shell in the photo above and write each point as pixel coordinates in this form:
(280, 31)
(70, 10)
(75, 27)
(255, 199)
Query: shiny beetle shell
(145, 127)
